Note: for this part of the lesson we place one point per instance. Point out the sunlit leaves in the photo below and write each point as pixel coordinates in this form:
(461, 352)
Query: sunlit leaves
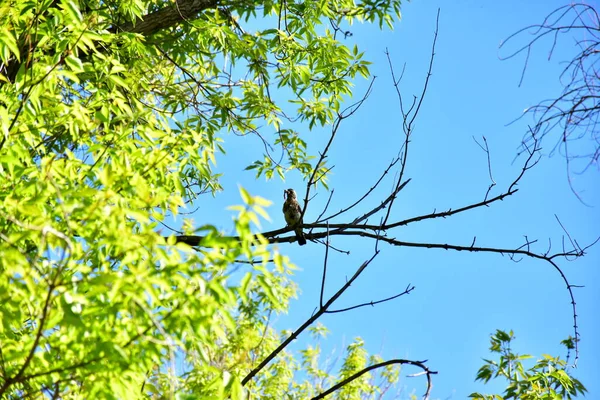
(105, 137)
(72, 11)
(547, 378)
(8, 46)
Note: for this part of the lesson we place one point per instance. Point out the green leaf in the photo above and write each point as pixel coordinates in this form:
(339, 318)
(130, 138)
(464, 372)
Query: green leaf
(246, 198)
(8, 46)
(73, 10)
(74, 63)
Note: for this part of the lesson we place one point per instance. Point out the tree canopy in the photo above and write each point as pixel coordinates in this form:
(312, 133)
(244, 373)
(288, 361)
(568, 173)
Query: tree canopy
(111, 114)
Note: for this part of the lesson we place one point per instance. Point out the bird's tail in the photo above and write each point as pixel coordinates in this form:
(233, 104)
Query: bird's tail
(300, 237)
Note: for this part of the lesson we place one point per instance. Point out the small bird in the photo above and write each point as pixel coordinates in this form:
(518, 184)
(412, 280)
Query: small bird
(293, 214)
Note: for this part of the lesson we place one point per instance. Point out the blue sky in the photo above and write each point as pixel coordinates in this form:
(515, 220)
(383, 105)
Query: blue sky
(460, 299)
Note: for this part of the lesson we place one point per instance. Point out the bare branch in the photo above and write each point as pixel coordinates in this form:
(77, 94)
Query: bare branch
(411, 116)
(324, 269)
(342, 211)
(308, 322)
(575, 113)
(408, 289)
(346, 113)
(486, 149)
(420, 364)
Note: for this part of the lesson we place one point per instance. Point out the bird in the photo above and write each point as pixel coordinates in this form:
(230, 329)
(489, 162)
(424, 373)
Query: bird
(293, 214)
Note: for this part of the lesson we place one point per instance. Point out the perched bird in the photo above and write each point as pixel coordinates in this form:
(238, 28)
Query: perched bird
(293, 214)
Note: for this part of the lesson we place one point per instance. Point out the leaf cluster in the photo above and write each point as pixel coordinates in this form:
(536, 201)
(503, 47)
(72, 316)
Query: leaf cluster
(547, 379)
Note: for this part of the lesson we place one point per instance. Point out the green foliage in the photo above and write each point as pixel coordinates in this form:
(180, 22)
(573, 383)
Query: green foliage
(547, 379)
(283, 382)
(108, 128)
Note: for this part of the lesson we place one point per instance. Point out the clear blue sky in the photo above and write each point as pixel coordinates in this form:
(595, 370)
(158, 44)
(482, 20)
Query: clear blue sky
(460, 299)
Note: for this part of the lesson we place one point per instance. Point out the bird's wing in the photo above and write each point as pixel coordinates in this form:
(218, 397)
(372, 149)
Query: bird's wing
(297, 207)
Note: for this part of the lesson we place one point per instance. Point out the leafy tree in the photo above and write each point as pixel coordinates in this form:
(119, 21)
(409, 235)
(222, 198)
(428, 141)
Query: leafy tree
(112, 114)
(546, 379)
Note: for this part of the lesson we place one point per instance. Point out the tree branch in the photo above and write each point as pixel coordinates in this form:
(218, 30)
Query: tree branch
(420, 364)
(182, 10)
(308, 322)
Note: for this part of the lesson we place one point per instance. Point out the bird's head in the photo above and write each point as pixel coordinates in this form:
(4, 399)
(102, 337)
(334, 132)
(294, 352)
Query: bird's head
(289, 193)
